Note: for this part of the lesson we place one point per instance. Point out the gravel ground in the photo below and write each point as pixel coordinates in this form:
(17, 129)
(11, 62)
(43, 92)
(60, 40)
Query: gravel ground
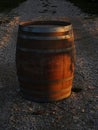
(79, 111)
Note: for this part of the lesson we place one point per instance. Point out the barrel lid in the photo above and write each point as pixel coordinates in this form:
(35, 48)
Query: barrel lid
(45, 26)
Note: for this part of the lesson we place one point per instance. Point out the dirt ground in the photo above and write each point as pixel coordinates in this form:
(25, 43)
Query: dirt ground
(80, 110)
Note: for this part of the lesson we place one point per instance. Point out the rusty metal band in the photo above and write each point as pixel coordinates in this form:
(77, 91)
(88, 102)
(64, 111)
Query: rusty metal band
(43, 51)
(45, 93)
(30, 37)
(46, 30)
(44, 81)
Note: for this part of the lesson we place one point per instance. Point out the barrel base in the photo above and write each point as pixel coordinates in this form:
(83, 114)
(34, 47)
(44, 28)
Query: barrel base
(43, 99)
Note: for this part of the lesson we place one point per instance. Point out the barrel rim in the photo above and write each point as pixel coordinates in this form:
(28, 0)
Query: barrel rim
(46, 22)
(62, 26)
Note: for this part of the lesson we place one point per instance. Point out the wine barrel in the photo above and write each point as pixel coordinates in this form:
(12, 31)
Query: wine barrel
(45, 60)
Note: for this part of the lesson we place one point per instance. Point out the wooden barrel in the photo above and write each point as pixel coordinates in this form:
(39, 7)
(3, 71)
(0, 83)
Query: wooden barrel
(45, 58)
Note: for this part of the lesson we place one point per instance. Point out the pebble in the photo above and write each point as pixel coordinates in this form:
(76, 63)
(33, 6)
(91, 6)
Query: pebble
(83, 110)
(75, 117)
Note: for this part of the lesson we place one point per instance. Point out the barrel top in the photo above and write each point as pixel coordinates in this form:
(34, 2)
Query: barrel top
(45, 26)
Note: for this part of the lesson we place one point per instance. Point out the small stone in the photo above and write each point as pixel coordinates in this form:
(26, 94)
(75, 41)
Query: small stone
(53, 112)
(59, 117)
(83, 110)
(92, 111)
(91, 87)
(75, 117)
(30, 109)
